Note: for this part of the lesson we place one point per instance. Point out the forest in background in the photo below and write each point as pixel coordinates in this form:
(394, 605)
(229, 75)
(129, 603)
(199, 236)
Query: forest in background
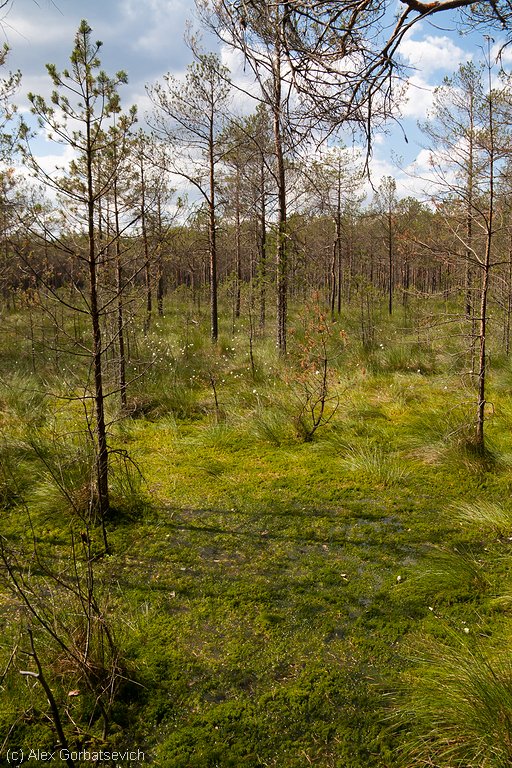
(255, 452)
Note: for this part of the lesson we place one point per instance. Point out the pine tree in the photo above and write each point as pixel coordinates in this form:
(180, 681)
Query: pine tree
(83, 105)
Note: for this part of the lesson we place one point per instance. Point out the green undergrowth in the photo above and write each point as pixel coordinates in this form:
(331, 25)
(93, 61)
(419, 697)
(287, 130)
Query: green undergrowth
(343, 601)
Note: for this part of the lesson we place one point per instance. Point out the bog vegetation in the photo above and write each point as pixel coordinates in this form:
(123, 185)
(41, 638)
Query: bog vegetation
(255, 446)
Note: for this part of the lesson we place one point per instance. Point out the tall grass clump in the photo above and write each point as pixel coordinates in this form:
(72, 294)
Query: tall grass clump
(62, 494)
(457, 709)
(173, 372)
(445, 434)
(272, 424)
(23, 402)
(16, 473)
(372, 462)
(487, 516)
(129, 495)
(23, 410)
(450, 574)
(65, 487)
(402, 356)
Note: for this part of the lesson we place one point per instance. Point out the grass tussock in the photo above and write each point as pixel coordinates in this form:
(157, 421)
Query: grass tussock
(374, 463)
(486, 516)
(459, 709)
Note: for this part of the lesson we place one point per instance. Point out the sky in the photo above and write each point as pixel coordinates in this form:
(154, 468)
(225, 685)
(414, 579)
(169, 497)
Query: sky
(146, 39)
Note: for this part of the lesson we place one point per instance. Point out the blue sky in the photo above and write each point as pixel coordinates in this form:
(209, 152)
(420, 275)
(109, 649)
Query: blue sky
(145, 38)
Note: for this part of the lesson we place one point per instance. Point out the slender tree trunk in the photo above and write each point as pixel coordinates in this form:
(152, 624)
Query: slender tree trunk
(340, 270)
(486, 268)
(262, 265)
(469, 299)
(160, 265)
(145, 247)
(509, 298)
(97, 349)
(238, 246)
(469, 212)
(406, 282)
(336, 264)
(281, 260)
(120, 304)
(390, 262)
(482, 363)
(333, 280)
(212, 233)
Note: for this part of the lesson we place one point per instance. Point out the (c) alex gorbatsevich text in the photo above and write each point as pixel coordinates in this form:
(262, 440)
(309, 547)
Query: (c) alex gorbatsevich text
(21, 757)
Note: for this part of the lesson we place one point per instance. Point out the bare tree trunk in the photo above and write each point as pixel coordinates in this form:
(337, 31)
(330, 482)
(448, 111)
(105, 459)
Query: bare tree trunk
(262, 265)
(120, 304)
(212, 236)
(469, 214)
(160, 265)
(336, 274)
(281, 260)
(145, 246)
(333, 280)
(486, 267)
(482, 363)
(103, 500)
(509, 298)
(238, 247)
(340, 274)
(97, 352)
(390, 262)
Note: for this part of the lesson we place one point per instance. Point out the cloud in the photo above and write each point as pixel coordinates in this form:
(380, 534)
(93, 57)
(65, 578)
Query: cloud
(245, 96)
(142, 37)
(502, 52)
(22, 29)
(423, 160)
(433, 53)
(145, 38)
(153, 25)
(427, 57)
(418, 97)
(429, 176)
(415, 179)
(54, 163)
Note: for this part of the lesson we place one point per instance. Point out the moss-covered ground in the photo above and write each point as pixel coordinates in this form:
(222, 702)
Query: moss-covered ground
(280, 601)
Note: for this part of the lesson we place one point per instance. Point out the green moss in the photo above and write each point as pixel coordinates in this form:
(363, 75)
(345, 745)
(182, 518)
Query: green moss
(268, 594)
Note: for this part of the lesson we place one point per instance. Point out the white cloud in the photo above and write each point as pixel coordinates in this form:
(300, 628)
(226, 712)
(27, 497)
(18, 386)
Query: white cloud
(423, 160)
(428, 176)
(416, 179)
(246, 87)
(418, 97)
(22, 29)
(501, 51)
(433, 53)
(154, 23)
(52, 164)
(145, 38)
